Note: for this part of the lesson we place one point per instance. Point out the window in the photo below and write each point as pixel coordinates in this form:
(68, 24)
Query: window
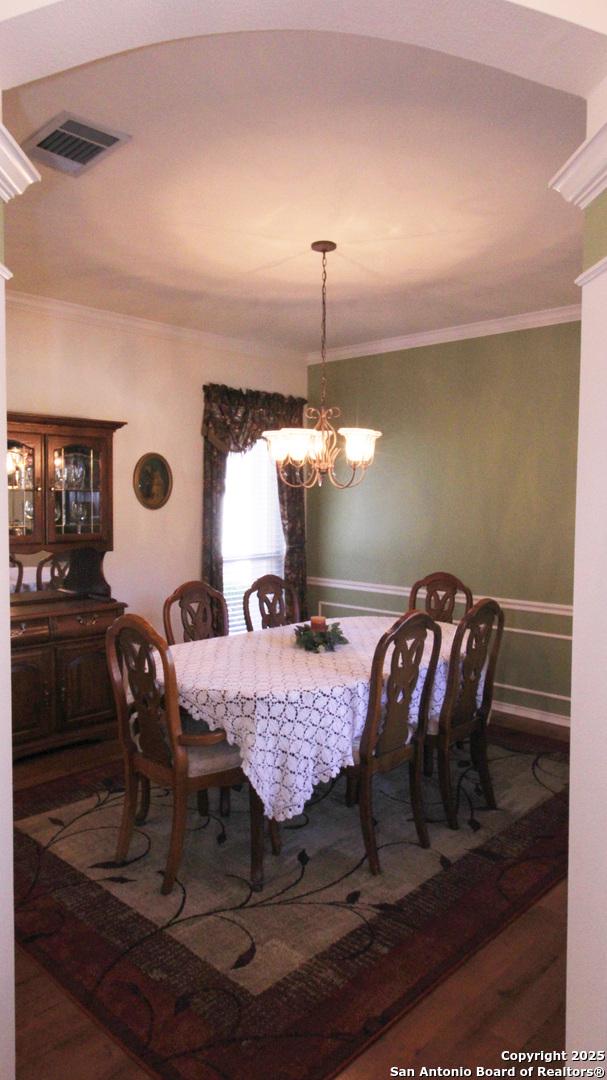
(252, 537)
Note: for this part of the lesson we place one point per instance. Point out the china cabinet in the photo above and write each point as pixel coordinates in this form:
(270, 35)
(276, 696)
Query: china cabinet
(59, 474)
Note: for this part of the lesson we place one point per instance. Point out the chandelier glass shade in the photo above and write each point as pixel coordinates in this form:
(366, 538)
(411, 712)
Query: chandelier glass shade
(306, 456)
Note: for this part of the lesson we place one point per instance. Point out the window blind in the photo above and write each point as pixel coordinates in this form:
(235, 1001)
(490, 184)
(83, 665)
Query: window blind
(252, 536)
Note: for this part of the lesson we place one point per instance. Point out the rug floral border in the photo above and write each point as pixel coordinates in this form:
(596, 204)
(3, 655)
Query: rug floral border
(156, 998)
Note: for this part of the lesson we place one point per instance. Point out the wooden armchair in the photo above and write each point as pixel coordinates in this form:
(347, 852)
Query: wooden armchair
(155, 748)
(16, 564)
(389, 738)
(441, 591)
(203, 612)
(58, 567)
(278, 603)
(468, 696)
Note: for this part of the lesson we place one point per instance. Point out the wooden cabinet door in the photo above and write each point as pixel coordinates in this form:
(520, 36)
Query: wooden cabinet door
(79, 489)
(83, 684)
(24, 465)
(32, 694)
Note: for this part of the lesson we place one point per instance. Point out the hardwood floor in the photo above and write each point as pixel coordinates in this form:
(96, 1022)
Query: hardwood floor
(510, 995)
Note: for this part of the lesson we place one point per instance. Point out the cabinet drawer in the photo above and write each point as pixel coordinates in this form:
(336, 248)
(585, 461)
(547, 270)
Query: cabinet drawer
(29, 630)
(84, 622)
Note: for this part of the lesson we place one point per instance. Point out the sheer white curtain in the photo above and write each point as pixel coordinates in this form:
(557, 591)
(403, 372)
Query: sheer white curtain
(252, 536)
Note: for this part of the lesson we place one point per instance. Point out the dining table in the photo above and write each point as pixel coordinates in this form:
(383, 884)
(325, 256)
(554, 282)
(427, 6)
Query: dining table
(295, 715)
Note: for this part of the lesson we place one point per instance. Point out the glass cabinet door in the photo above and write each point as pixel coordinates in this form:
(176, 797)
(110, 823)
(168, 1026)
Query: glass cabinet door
(76, 506)
(24, 476)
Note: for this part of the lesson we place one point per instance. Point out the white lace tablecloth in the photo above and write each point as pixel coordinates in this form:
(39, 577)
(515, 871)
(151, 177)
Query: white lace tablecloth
(293, 714)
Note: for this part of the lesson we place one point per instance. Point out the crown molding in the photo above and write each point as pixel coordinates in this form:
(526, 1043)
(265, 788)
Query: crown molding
(592, 272)
(584, 174)
(529, 320)
(16, 169)
(64, 309)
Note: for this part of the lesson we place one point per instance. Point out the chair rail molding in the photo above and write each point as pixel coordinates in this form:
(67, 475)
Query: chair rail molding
(584, 175)
(498, 706)
(536, 607)
(16, 169)
(542, 715)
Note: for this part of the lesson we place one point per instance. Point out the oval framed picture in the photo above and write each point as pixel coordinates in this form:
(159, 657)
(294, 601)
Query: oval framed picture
(152, 481)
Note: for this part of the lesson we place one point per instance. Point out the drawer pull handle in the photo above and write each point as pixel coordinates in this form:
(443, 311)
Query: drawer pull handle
(87, 620)
(17, 631)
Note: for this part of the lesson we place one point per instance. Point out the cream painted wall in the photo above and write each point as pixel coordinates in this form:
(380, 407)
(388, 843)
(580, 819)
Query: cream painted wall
(70, 362)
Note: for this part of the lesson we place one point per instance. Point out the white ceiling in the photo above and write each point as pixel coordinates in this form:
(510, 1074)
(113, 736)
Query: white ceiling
(429, 171)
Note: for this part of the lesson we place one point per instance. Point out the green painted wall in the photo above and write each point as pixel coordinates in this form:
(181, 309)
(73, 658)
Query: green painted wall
(595, 231)
(475, 473)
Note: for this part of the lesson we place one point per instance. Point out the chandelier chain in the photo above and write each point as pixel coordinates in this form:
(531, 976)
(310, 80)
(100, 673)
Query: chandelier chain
(323, 336)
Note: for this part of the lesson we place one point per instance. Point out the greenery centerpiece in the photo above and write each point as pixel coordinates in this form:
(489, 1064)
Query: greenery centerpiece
(313, 640)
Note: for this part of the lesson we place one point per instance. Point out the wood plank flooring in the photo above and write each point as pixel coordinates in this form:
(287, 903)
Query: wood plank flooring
(510, 995)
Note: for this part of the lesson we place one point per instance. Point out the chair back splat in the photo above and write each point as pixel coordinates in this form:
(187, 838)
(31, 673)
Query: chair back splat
(392, 728)
(467, 702)
(441, 593)
(278, 604)
(58, 566)
(148, 714)
(397, 718)
(203, 612)
(472, 664)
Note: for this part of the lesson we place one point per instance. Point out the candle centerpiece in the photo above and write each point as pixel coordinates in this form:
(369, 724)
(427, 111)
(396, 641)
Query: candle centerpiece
(313, 636)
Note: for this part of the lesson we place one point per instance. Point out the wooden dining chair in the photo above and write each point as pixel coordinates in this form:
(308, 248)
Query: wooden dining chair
(155, 747)
(202, 610)
(57, 566)
(392, 735)
(204, 614)
(16, 564)
(441, 592)
(277, 599)
(468, 697)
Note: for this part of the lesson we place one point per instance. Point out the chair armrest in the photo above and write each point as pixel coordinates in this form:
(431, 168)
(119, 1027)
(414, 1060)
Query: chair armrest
(207, 739)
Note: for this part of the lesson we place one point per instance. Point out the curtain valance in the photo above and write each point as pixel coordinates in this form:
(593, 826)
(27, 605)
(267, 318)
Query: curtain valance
(235, 419)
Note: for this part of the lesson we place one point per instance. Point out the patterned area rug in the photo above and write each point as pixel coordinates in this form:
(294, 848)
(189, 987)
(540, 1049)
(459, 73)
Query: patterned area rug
(216, 981)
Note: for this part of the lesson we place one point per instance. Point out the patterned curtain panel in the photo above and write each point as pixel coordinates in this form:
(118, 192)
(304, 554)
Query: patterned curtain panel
(233, 421)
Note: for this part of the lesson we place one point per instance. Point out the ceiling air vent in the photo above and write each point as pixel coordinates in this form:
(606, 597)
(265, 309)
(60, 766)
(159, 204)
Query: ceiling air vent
(72, 144)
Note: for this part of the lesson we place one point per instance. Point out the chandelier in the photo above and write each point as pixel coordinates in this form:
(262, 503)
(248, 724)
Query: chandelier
(313, 452)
